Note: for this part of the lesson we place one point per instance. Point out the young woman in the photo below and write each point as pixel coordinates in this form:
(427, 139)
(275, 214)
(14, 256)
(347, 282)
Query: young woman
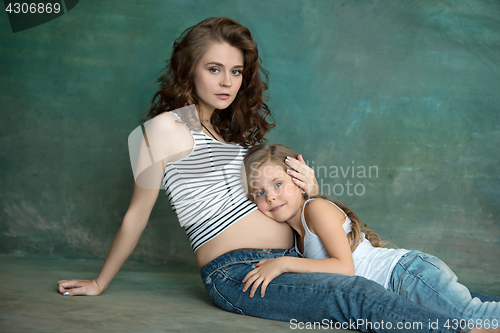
(209, 109)
(333, 238)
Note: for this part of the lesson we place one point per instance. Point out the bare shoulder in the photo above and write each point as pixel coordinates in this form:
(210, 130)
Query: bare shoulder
(167, 128)
(322, 205)
(167, 139)
(320, 211)
(165, 121)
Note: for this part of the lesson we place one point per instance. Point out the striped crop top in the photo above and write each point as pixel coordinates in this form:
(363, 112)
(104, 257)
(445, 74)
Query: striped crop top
(205, 187)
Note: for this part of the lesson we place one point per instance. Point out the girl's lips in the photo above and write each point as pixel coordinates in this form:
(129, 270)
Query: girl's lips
(223, 96)
(274, 209)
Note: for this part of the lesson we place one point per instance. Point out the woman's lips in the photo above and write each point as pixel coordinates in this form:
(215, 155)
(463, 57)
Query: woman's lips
(223, 96)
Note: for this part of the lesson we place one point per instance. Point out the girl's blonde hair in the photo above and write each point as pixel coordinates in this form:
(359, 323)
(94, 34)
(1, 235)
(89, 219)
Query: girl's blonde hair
(277, 153)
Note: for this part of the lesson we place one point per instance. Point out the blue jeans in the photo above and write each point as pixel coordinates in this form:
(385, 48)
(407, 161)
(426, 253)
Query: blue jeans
(328, 300)
(427, 280)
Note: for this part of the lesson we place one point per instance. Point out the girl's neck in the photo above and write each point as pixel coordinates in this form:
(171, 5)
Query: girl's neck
(296, 221)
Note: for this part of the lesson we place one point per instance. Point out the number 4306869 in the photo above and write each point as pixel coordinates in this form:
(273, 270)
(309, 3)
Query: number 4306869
(33, 8)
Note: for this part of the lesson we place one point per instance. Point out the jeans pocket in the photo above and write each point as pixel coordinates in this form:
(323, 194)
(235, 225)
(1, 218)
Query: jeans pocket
(432, 260)
(237, 272)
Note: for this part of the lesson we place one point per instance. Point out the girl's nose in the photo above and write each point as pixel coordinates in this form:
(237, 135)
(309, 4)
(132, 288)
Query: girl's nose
(270, 198)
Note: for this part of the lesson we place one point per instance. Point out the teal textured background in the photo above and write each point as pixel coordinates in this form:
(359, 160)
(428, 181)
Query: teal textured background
(409, 87)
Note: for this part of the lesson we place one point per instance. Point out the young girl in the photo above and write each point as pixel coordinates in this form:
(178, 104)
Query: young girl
(335, 240)
(209, 109)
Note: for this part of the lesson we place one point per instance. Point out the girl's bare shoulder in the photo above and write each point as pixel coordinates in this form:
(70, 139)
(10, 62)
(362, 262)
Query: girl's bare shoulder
(321, 210)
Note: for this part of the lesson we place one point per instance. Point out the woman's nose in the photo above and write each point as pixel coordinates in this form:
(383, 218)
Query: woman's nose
(226, 81)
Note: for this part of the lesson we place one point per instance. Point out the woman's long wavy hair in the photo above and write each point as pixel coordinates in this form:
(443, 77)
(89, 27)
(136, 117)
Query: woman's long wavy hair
(245, 121)
(277, 153)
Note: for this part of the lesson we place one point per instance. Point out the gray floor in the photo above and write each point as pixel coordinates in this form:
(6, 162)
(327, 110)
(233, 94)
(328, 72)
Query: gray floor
(142, 298)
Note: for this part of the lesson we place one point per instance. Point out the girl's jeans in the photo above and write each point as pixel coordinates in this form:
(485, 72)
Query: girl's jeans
(321, 299)
(427, 280)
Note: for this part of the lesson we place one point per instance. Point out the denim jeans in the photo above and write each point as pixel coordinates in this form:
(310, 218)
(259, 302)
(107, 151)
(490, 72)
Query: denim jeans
(427, 280)
(485, 298)
(323, 299)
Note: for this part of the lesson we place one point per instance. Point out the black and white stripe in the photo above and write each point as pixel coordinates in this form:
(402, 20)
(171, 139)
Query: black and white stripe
(205, 189)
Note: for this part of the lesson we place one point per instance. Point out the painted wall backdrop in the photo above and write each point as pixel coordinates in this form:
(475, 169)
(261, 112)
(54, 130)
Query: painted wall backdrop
(395, 104)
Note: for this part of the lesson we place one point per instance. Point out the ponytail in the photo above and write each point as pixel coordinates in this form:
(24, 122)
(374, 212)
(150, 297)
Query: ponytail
(358, 227)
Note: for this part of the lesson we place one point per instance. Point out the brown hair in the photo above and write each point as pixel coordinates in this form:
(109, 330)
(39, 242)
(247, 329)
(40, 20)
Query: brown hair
(276, 153)
(245, 120)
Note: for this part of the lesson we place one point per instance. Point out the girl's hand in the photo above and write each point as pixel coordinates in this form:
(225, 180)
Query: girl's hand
(265, 272)
(79, 287)
(302, 175)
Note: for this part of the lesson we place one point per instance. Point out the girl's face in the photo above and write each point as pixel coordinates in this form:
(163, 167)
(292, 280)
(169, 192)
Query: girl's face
(218, 76)
(275, 194)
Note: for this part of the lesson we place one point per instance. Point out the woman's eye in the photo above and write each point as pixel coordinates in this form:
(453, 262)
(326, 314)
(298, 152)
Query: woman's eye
(237, 72)
(214, 70)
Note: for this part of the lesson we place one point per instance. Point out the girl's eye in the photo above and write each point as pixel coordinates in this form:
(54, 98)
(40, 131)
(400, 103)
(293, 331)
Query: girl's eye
(237, 72)
(214, 70)
(258, 194)
(277, 185)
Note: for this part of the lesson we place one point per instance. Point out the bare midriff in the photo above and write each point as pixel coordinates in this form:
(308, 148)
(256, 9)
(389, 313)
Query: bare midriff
(254, 231)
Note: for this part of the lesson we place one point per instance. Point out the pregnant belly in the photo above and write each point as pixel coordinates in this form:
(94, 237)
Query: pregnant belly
(254, 231)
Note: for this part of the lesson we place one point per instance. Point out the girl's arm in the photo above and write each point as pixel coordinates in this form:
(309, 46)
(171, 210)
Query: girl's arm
(325, 220)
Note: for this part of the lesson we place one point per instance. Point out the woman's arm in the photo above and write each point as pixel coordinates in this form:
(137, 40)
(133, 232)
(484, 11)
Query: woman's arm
(303, 176)
(126, 239)
(156, 148)
(325, 220)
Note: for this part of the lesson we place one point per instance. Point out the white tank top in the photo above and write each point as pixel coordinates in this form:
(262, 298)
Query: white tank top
(374, 263)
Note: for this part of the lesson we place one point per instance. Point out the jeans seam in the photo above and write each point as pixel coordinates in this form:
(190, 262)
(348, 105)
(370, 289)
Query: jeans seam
(402, 264)
(425, 258)
(435, 291)
(226, 301)
(220, 268)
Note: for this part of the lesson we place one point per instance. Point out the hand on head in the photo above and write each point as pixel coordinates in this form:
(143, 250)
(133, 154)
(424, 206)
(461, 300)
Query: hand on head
(303, 175)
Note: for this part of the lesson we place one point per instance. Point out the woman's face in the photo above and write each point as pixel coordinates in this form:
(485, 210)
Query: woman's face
(218, 76)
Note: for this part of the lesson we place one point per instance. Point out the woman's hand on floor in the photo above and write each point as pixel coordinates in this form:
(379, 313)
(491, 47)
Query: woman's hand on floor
(302, 175)
(79, 287)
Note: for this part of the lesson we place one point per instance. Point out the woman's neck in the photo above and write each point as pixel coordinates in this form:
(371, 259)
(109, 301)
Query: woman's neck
(205, 114)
